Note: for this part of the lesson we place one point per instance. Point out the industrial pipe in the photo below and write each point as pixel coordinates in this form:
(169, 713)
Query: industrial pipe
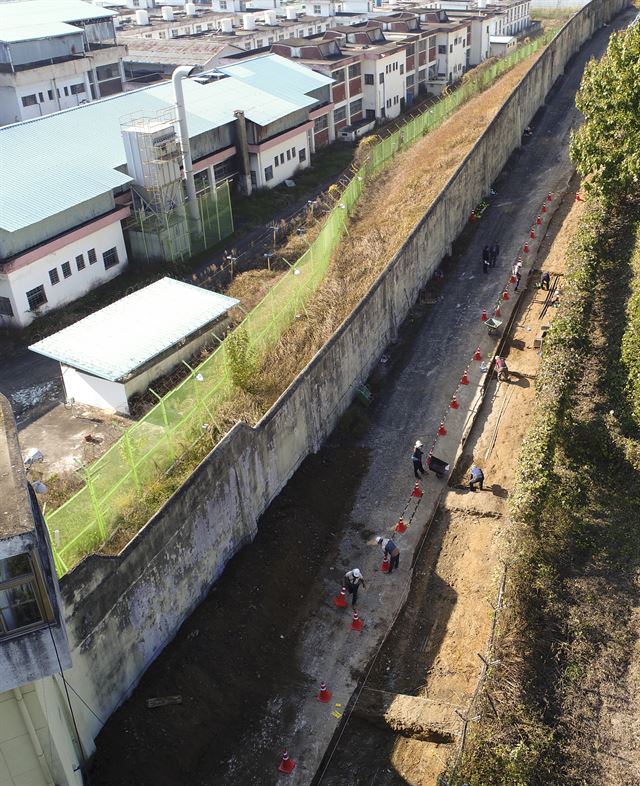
(180, 73)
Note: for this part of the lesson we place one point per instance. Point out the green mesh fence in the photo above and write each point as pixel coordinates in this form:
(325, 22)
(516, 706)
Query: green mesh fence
(150, 447)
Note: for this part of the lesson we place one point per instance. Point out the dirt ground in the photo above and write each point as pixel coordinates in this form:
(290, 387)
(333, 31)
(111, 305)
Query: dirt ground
(432, 651)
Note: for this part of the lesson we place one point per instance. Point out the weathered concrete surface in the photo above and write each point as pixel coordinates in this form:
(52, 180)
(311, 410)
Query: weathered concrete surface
(411, 716)
(135, 602)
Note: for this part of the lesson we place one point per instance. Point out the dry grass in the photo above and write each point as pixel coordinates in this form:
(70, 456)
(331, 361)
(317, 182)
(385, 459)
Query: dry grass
(251, 287)
(391, 206)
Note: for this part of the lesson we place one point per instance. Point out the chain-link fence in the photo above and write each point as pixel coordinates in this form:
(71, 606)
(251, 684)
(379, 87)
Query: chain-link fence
(150, 447)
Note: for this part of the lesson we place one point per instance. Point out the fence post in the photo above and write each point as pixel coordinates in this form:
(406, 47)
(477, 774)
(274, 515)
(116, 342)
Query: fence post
(88, 477)
(129, 454)
(165, 420)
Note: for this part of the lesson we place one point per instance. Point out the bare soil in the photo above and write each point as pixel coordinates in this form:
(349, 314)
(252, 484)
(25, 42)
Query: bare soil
(432, 651)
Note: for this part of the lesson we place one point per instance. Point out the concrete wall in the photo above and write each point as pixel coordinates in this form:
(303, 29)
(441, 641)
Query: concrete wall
(136, 601)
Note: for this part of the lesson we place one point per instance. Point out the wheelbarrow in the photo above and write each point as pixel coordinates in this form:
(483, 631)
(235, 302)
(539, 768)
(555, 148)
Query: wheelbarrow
(493, 325)
(438, 466)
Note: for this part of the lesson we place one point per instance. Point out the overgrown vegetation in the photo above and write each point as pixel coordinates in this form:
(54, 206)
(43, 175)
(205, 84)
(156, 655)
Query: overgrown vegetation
(566, 634)
(606, 148)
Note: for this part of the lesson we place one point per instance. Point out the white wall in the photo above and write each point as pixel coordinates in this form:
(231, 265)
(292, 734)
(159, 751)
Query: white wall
(393, 89)
(93, 391)
(260, 161)
(18, 760)
(16, 284)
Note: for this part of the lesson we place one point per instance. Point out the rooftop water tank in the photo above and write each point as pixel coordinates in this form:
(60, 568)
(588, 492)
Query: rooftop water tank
(270, 17)
(167, 13)
(249, 21)
(190, 9)
(142, 17)
(226, 25)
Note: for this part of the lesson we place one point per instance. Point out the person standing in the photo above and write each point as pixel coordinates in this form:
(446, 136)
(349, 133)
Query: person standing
(351, 582)
(486, 259)
(417, 460)
(518, 276)
(477, 476)
(494, 252)
(390, 548)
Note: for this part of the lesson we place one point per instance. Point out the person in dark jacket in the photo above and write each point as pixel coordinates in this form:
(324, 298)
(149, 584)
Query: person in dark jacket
(418, 469)
(390, 548)
(486, 259)
(545, 281)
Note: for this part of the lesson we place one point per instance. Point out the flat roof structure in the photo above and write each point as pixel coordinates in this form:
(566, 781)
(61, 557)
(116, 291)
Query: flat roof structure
(116, 341)
(37, 12)
(60, 160)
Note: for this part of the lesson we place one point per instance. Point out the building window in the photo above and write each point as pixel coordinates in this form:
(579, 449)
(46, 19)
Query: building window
(36, 298)
(5, 303)
(54, 277)
(368, 79)
(258, 43)
(410, 80)
(110, 258)
(355, 106)
(91, 255)
(293, 152)
(282, 158)
(320, 124)
(40, 98)
(442, 50)
(254, 179)
(80, 264)
(29, 100)
(317, 10)
(66, 269)
(20, 602)
(355, 70)
(288, 155)
(50, 94)
(339, 114)
(388, 102)
(302, 155)
(77, 89)
(66, 90)
(450, 48)
(402, 68)
(276, 162)
(268, 172)
(223, 5)
(338, 76)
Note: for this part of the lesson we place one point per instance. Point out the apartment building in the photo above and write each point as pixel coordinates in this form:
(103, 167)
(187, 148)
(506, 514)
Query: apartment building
(55, 55)
(64, 221)
(347, 100)
(421, 49)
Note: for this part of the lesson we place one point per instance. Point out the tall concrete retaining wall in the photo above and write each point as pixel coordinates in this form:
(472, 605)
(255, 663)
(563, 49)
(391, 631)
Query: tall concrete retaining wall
(122, 611)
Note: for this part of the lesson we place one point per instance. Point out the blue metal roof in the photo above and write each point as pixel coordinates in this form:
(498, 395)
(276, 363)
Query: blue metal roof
(26, 12)
(276, 75)
(52, 163)
(30, 31)
(115, 341)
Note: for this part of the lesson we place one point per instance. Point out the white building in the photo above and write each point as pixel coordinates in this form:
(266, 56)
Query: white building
(61, 222)
(38, 744)
(55, 55)
(118, 351)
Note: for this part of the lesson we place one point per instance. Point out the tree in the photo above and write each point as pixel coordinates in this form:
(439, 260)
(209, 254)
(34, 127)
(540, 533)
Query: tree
(606, 148)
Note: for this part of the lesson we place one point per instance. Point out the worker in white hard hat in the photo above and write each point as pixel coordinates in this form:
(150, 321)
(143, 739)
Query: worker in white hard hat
(418, 469)
(352, 580)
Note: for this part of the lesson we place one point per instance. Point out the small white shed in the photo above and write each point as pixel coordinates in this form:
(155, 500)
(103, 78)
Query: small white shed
(500, 45)
(120, 350)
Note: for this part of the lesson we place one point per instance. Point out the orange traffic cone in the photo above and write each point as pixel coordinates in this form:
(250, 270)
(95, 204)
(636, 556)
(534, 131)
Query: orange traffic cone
(341, 600)
(477, 355)
(525, 248)
(401, 526)
(532, 233)
(441, 429)
(513, 279)
(505, 294)
(464, 380)
(356, 622)
(324, 695)
(454, 403)
(578, 198)
(544, 207)
(417, 491)
(549, 197)
(496, 311)
(539, 220)
(484, 316)
(386, 563)
(287, 765)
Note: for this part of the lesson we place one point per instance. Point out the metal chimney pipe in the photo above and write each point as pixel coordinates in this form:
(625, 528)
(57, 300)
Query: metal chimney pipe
(180, 73)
